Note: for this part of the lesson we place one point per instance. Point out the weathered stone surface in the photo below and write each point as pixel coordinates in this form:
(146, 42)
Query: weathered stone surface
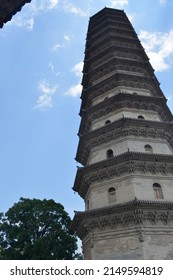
(128, 244)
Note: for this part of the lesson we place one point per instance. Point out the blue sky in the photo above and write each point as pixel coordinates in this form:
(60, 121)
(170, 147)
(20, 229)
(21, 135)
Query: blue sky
(41, 54)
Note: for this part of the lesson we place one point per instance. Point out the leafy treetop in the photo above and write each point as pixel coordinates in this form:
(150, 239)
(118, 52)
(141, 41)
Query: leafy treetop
(34, 229)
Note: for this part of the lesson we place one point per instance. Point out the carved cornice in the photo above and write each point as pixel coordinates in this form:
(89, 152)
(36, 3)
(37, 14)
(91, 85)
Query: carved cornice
(112, 64)
(123, 79)
(9, 8)
(101, 16)
(97, 56)
(124, 100)
(117, 80)
(123, 128)
(111, 32)
(103, 25)
(100, 58)
(135, 212)
(125, 164)
(131, 45)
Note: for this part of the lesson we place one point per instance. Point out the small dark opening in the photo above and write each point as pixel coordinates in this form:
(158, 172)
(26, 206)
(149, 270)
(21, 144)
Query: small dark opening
(107, 122)
(110, 153)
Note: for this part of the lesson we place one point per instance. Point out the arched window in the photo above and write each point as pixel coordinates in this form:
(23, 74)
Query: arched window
(110, 153)
(148, 149)
(141, 117)
(157, 191)
(111, 195)
(107, 122)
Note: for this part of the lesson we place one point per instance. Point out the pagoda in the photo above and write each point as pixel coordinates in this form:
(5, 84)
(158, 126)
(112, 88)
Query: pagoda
(125, 148)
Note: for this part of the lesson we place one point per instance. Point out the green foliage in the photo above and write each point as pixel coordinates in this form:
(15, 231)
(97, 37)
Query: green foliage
(34, 229)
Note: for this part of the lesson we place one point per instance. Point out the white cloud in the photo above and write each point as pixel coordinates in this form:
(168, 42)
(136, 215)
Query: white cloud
(31, 10)
(131, 17)
(52, 67)
(46, 88)
(77, 69)
(159, 48)
(21, 22)
(118, 3)
(45, 100)
(157, 61)
(39, 6)
(56, 47)
(30, 23)
(74, 91)
(163, 2)
(66, 38)
(70, 8)
(169, 98)
(53, 4)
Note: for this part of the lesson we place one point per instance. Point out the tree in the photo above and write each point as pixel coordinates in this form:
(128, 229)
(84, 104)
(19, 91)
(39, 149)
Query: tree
(34, 229)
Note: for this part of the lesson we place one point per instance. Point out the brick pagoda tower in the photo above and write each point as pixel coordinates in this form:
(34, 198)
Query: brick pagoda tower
(125, 148)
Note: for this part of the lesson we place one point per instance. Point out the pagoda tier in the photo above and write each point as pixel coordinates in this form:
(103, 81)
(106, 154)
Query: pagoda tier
(121, 100)
(129, 214)
(124, 127)
(129, 163)
(117, 65)
(118, 76)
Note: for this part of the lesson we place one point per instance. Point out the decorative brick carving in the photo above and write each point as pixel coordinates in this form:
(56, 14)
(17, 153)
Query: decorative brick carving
(120, 129)
(135, 212)
(135, 163)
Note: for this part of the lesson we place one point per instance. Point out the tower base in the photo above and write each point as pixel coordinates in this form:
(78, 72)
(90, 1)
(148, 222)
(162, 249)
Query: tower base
(135, 230)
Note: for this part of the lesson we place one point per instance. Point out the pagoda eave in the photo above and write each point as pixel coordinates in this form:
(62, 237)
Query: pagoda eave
(121, 128)
(123, 100)
(129, 163)
(136, 211)
(9, 9)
